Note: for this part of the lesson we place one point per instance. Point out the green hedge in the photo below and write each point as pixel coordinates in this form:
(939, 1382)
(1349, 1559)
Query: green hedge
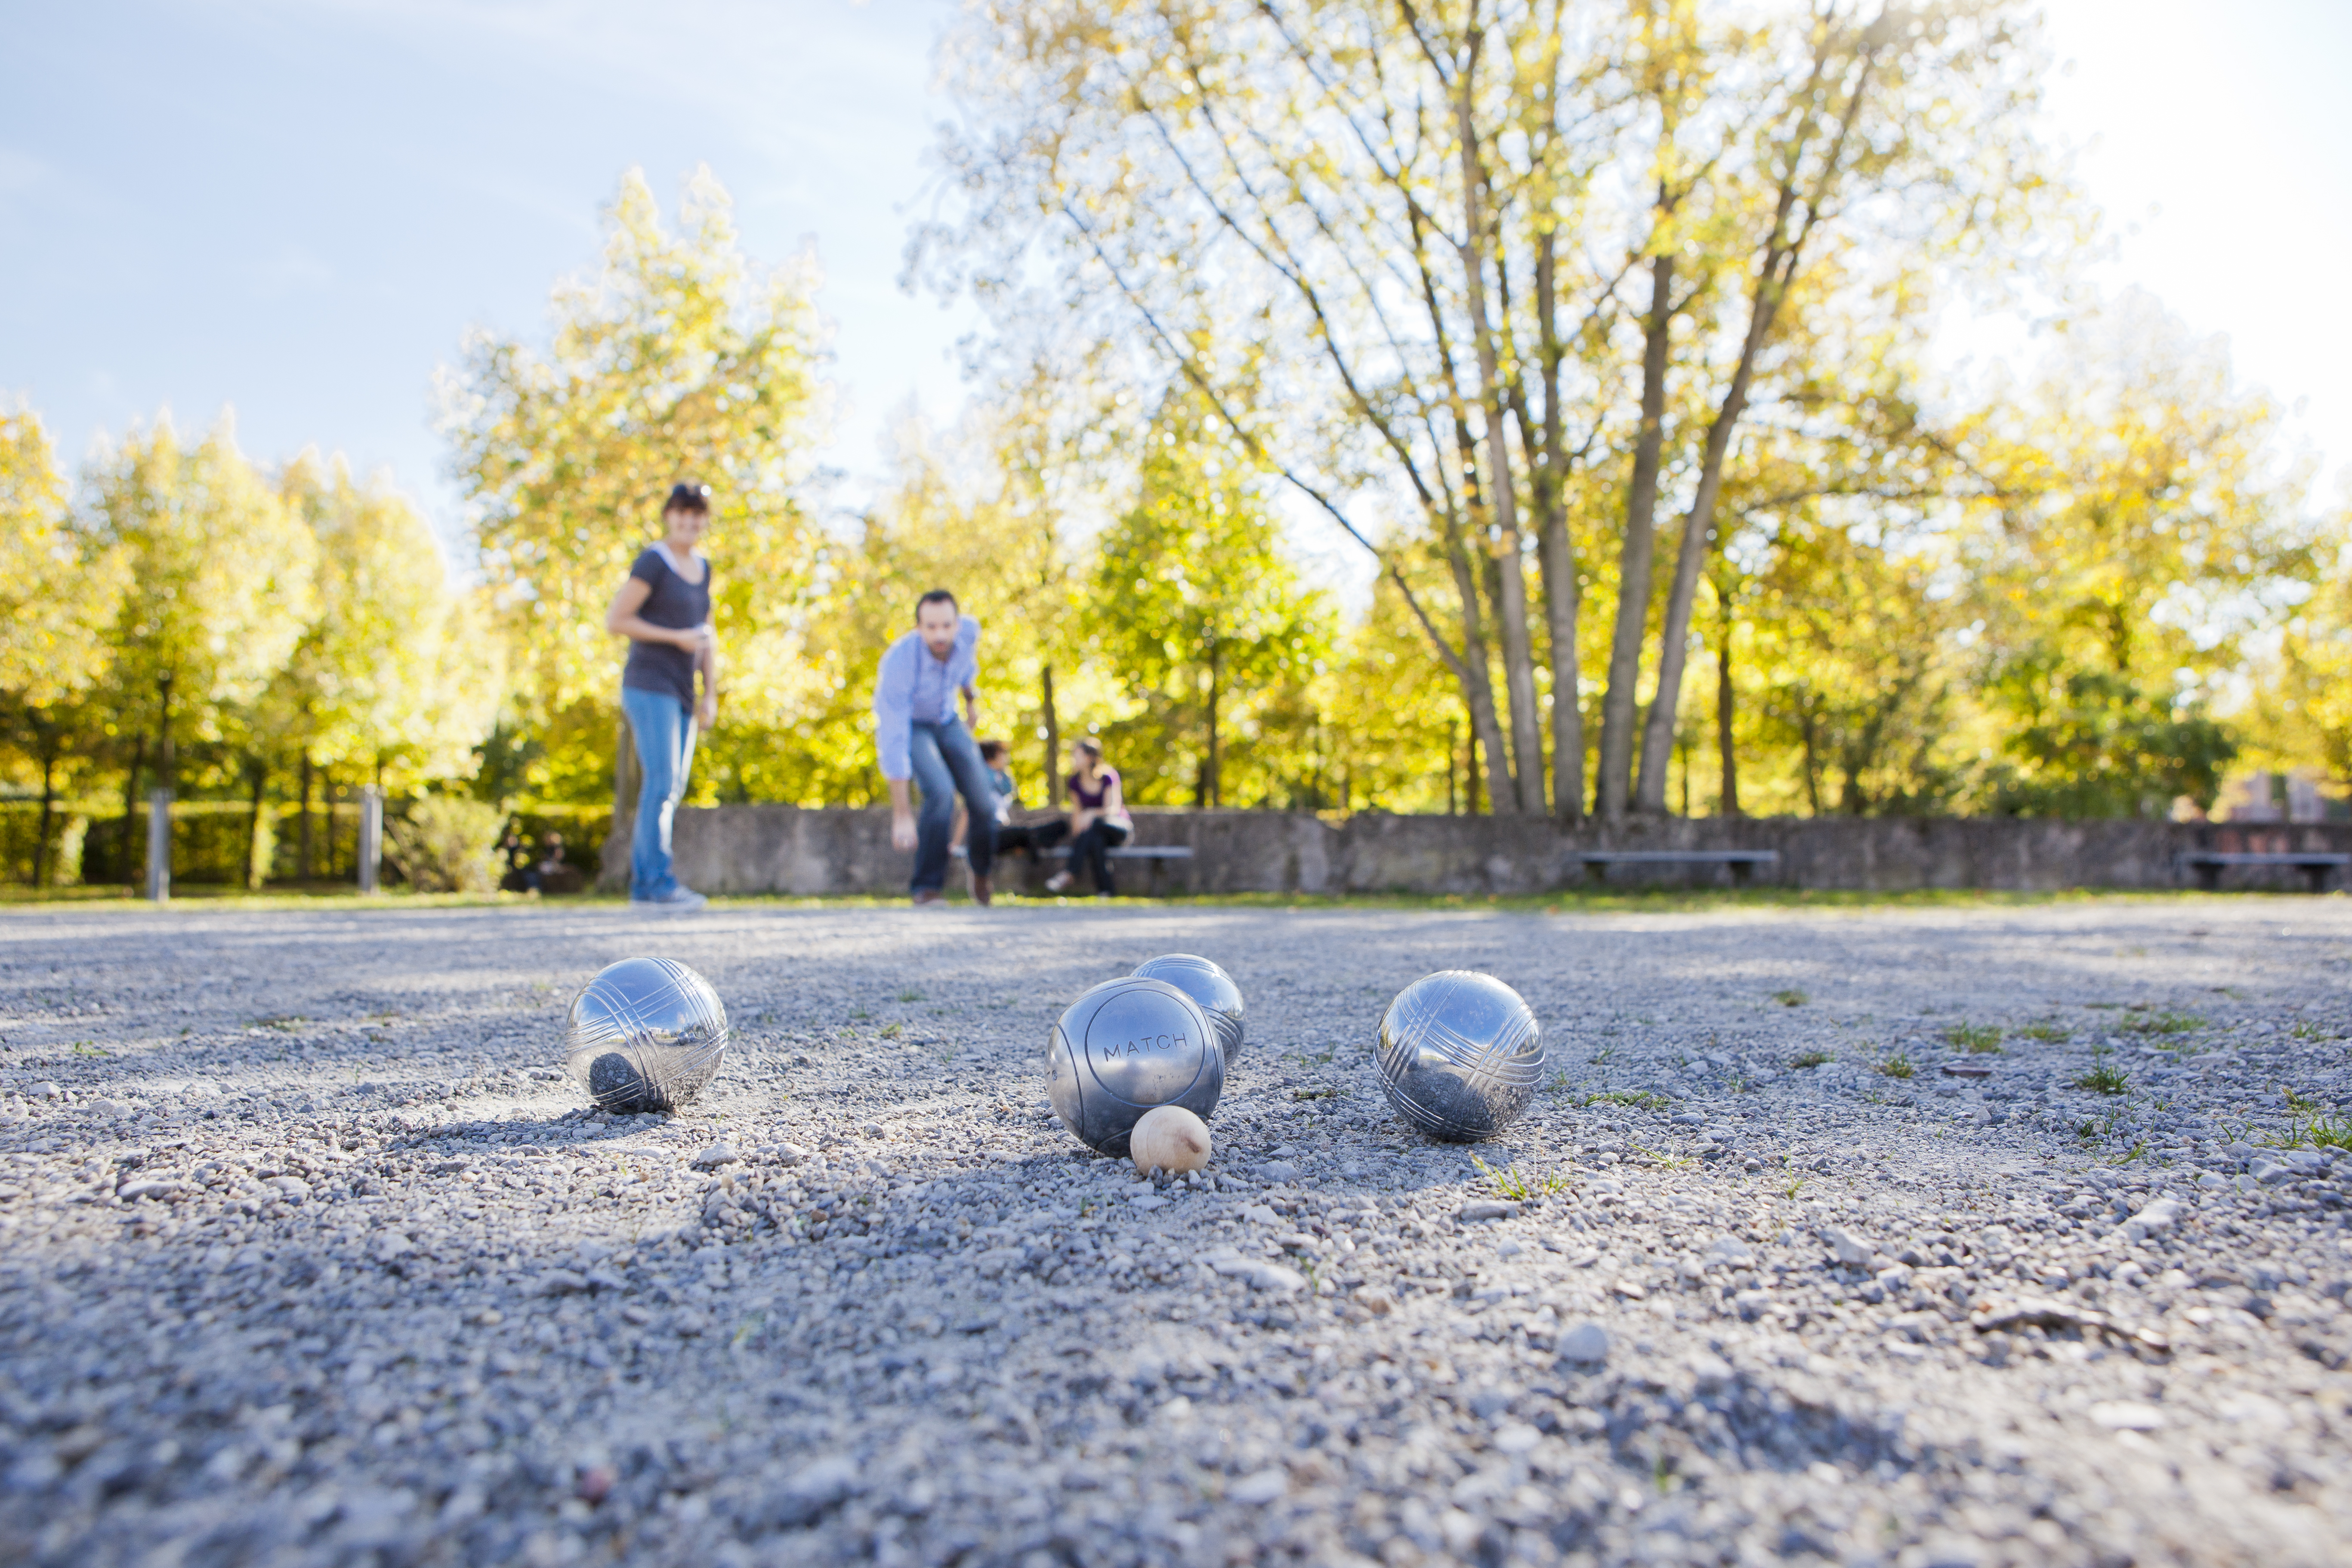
(211, 840)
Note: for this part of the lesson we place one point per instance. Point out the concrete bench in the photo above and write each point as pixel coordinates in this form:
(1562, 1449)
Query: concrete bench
(2209, 864)
(1153, 854)
(1743, 862)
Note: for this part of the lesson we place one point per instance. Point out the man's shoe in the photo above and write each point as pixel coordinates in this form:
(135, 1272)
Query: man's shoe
(1058, 881)
(676, 899)
(929, 897)
(980, 889)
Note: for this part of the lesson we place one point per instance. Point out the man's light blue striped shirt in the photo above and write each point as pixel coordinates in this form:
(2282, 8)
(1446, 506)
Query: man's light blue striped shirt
(912, 686)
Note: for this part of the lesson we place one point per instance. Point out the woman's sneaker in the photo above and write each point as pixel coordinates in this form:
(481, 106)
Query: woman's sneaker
(1058, 881)
(675, 899)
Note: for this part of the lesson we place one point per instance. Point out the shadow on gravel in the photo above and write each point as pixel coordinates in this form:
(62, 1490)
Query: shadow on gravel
(523, 1130)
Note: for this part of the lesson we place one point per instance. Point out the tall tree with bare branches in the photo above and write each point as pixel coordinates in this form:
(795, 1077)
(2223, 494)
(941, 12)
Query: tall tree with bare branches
(1425, 220)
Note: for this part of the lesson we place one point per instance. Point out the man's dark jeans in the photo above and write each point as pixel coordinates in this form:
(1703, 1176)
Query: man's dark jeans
(946, 762)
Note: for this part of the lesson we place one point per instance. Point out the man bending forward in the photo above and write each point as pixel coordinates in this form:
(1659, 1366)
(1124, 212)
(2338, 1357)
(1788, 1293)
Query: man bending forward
(919, 737)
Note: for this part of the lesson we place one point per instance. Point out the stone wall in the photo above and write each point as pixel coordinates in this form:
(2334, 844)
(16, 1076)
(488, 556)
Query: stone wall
(786, 849)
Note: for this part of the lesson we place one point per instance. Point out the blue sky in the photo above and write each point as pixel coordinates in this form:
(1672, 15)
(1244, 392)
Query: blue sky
(299, 209)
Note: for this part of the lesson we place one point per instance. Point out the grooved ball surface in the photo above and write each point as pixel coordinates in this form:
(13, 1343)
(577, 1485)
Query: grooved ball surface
(1460, 1055)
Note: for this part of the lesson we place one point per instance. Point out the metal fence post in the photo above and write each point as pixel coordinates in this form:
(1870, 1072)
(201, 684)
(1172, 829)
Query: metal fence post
(371, 836)
(159, 845)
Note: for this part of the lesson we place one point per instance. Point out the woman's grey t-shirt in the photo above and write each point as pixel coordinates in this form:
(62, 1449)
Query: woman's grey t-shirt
(678, 604)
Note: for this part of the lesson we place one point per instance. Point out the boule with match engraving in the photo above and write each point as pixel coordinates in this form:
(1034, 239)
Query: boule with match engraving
(1125, 1048)
(645, 1034)
(1170, 1139)
(1460, 1055)
(1205, 982)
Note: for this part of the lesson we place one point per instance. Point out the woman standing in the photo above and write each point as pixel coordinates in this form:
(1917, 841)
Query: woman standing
(1100, 823)
(664, 609)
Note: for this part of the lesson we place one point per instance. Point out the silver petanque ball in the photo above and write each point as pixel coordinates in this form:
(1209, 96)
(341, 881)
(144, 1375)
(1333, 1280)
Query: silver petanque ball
(1459, 1055)
(1125, 1048)
(647, 1034)
(1205, 982)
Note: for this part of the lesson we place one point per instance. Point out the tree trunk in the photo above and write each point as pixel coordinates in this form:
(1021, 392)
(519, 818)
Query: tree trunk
(302, 850)
(615, 876)
(1698, 535)
(1477, 682)
(254, 871)
(1562, 601)
(1511, 582)
(1472, 772)
(49, 808)
(1451, 808)
(1637, 551)
(1052, 740)
(1782, 249)
(1723, 708)
(1812, 763)
(134, 867)
(1563, 595)
(166, 758)
(1212, 777)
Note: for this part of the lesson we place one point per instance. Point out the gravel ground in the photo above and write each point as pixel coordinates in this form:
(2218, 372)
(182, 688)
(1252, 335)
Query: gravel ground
(307, 1254)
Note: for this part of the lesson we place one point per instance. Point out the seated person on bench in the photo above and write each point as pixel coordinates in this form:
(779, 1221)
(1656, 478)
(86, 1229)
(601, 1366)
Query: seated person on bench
(1100, 825)
(1017, 826)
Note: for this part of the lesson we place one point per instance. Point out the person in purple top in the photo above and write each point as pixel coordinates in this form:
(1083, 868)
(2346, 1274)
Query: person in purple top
(664, 609)
(1099, 823)
(919, 737)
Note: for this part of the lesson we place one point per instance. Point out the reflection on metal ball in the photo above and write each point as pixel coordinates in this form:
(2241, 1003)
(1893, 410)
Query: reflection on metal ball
(1124, 1047)
(645, 1034)
(1460, 1055)
(1205, 982)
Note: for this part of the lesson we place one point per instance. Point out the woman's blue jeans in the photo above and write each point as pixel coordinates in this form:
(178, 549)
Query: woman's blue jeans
(664, 730)
(946, 762)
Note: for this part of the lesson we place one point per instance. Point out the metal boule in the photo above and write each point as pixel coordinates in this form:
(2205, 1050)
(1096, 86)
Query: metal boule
(1205, 982)
(645, 1034)
(1460, 1055)
(1125, 1048)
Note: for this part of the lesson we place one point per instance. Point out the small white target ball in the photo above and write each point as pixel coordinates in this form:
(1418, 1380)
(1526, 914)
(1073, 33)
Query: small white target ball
(1172, 1138)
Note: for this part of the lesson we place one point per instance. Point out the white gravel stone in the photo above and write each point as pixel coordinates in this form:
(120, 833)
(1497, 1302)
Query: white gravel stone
(1516, 1437)
(1587, 1343)
(2126, 1415)
(1848, 1248)
(2160, 1215)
